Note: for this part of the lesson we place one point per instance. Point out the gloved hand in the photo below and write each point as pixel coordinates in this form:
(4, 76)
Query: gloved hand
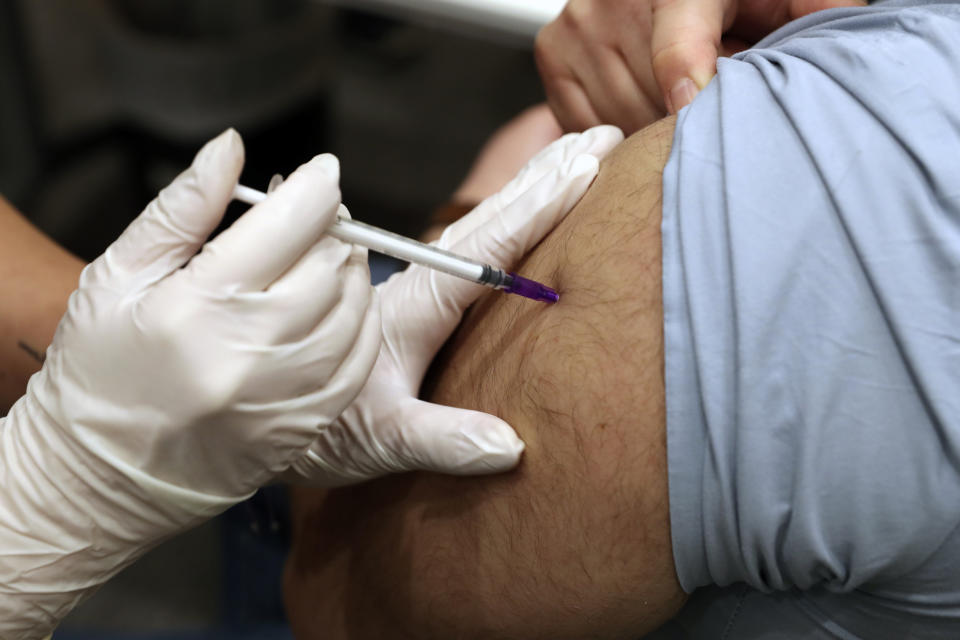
(627, 62)
(387, 429)
(177, 384)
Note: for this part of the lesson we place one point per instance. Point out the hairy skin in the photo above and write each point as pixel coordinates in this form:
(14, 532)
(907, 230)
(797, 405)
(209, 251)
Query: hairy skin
(576, 542)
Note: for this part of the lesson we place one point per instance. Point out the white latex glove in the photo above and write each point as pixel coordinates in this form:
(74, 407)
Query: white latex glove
(387, 429)
(170, 392)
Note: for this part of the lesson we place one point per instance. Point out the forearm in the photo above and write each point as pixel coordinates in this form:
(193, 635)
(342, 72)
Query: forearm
(36, 278)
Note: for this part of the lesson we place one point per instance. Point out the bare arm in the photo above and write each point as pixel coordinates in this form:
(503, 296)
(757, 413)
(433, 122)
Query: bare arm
(36, 278)
(576, 542)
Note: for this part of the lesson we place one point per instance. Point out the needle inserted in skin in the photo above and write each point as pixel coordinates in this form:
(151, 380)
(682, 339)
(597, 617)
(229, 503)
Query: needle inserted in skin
(427, 255)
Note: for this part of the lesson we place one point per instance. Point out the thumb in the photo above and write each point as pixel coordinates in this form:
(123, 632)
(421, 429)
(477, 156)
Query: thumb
(455, 441)
(685, 45)
(178, 221)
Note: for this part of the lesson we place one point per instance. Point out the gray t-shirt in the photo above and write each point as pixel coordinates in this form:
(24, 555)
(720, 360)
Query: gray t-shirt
(811, 289)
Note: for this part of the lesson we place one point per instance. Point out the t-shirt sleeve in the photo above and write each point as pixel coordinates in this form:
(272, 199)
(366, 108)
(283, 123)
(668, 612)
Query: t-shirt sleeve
(811, 289)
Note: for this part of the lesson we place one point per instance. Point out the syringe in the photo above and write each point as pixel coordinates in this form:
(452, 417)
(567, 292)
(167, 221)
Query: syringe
(409, 250)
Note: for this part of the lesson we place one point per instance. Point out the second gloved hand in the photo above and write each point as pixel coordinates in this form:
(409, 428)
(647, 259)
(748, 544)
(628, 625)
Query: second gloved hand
(387, 428)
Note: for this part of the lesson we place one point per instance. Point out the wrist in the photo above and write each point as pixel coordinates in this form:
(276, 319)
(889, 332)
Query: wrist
(68, 520)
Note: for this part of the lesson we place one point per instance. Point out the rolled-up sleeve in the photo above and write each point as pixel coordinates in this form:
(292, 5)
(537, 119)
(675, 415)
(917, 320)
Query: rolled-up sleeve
(811, 289)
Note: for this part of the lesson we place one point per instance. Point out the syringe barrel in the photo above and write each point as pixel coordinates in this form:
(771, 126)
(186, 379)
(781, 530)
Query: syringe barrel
(395, 245)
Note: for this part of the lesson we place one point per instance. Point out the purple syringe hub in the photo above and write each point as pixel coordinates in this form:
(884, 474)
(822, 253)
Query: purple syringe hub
(531, 289)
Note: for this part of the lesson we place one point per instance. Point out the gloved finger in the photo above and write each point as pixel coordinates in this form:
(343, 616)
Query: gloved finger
(419, 436)
(178, 221)
(443, 439)
(355, 367)
(275, 181)
(297, 366)
(685, 44)
(308, 417)
(517, 228)
(334, 459)
(505, 237)
(330, 342)
(273, 234)
(596, 142)
(309, 290)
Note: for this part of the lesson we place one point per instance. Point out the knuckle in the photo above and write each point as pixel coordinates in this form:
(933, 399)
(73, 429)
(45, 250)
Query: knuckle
(541, 50)
(576, 15)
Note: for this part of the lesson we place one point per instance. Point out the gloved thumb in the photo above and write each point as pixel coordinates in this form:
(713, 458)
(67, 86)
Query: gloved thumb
(455, 441)
(178, 221)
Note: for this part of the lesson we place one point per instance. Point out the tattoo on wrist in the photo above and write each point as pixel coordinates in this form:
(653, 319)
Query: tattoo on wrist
(33, 353)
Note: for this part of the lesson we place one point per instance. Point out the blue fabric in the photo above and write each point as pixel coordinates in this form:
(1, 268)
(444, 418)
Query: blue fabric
(811, 281)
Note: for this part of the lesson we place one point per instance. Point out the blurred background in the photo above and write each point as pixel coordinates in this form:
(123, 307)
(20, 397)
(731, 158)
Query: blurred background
(103, 102)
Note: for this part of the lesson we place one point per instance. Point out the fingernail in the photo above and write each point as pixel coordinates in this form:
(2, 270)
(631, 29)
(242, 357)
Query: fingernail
(275, 182)
(222, 156)
(682, 94)
(328, 163)
(223, 142)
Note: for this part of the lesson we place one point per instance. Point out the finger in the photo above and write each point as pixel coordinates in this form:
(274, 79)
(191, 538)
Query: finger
(570, 104)
(685, 45)
(273, 234)
(597, 142)
(308, 422)
(634, 38)
(502, 240)
(599, 73)
(442, 439)
(520, 226)
(554, 47)
(611, 64)
(275, 181)
(561, 46)
(615, 94)
(315, 360)
(178, 221)
(355, 367)
(309, 290)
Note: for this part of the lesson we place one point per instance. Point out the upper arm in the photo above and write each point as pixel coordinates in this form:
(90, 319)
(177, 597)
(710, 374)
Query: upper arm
(576, 542)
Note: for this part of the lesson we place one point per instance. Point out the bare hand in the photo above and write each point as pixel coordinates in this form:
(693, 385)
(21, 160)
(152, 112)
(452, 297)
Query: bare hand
(629, 62)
